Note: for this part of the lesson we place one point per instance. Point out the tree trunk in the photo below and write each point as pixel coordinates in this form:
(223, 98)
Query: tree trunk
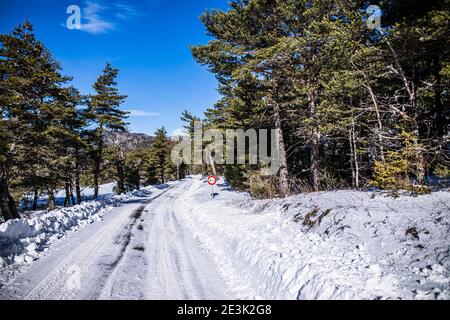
(4, 206)
(120, 177)
(7, 204)
(78, 190)
(98, 162)
(315, 144)
(283, 174)
(420, 162)
(379, 129)
(314, 158)
(51, 199)
(376, 108)
(72, 198)
(439, 110)
(77, 176)
(162, 174)
(213, 166)
(354, 155)
(96, 177)
(13, 206)
(35, 199)
(67, 198)
(352, 165)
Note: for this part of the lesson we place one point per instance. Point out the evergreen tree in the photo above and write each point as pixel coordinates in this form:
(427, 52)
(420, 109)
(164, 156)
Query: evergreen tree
(103, 110)
(159, 158)
(342, 96)
(30, 108)
(135, 168)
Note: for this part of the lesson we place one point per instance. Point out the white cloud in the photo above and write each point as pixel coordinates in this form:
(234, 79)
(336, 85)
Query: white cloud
(94, 22)
(97, 18)
(126, 12)
(142, 113)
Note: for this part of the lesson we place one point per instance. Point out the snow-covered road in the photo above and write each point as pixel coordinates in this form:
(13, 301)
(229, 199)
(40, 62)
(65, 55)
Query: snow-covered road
(139, 251)
(176, 242)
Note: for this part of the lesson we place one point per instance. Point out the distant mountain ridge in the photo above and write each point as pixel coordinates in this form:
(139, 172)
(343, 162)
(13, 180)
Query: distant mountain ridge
(128, 140)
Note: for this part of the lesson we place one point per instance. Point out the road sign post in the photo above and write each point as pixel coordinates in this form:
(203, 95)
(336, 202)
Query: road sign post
(212, 180)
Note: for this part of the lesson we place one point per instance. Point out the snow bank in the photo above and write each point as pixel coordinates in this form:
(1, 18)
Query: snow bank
(326, 245)
(87, 192)
(23, 240)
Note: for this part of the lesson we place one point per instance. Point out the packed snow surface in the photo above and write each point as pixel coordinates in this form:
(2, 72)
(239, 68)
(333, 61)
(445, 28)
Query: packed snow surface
(178, 242)
(23, 240)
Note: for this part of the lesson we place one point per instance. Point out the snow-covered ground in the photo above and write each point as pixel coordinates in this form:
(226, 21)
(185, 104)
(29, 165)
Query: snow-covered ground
(177, 242)
(87, 193)
(325, 245)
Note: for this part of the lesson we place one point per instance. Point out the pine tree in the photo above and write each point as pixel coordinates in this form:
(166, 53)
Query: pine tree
(159, 157)
(72, 143)
(190, 122)
(241, 54)
(135, 168)
(103, 110)
(29, 101)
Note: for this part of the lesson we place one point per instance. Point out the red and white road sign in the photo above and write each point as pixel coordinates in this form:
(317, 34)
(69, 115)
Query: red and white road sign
(212, 180)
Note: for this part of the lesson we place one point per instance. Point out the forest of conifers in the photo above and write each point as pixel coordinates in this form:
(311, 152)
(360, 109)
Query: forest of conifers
(353, 106)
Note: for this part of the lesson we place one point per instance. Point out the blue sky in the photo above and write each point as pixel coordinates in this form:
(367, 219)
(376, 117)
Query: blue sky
(146, 39)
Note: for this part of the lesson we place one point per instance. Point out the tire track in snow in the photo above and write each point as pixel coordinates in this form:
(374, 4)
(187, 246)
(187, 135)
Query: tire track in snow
(55, 284)
(106, 287)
